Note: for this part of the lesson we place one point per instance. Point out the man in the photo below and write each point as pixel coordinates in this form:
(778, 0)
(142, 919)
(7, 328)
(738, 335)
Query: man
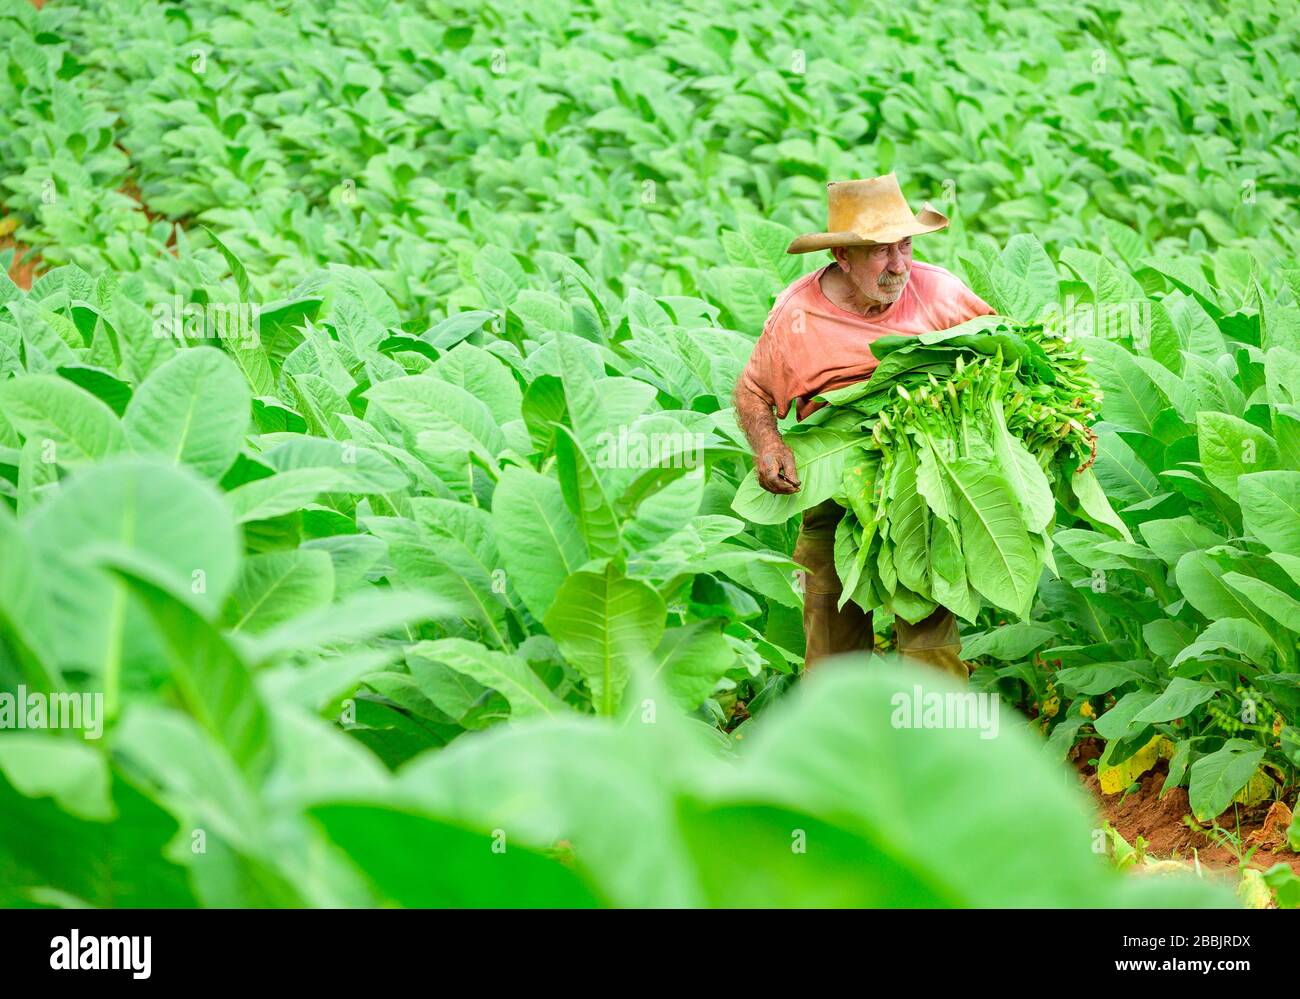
(818, 337)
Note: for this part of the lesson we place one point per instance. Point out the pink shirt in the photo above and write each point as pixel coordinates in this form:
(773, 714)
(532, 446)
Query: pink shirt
(810, 346)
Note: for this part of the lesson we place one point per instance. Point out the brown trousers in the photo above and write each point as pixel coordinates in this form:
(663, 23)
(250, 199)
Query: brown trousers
(933, 640)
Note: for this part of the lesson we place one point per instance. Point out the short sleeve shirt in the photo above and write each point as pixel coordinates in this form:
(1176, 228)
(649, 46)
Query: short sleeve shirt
(810, 345)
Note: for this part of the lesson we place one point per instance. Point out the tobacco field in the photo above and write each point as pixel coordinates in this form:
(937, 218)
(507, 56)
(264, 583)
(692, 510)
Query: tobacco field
(369, 470)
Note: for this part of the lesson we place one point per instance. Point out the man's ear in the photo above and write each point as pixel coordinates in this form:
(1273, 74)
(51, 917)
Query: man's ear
(841, 256)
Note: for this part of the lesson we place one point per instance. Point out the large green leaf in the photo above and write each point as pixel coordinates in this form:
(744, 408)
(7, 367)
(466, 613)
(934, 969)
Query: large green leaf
(71, 425)
(422, 403)
(75, 776)
(109, 864)
(540, 540)
(999, 559)
(1216, 778)
(483, 376)
(275, 586)
(355, 468)
(1200, 578)
(820, 456)
(1010, 642)
(358, 618)
(606, 625)
(1282, 376)
(817, 759)
(1173, 538)
(510, 674)
(1237, 635)
(1282, 607)
(1270, 507)
(1231, 448)
(691, 660)
(279, 494)
(597, 785)
(909, 522)
(237, 863)
(421, 861)
(1025, 477)
(448, 548)
(585, 496)
(1093, 502)
(1025, 257)
(193, 409)
(1121, 473)
(163, 513)
(1177, 701)
(1132, 399)
(213, 682)
(25, 618)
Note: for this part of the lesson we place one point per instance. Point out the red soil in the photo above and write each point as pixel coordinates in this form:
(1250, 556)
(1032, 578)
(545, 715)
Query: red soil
(1161, 820)
(23, 267)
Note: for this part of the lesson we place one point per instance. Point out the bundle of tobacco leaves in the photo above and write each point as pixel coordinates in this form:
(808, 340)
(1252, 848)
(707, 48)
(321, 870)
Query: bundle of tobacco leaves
(949, 461)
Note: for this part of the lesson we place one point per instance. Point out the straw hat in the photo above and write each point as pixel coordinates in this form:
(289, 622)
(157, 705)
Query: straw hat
(866, 212)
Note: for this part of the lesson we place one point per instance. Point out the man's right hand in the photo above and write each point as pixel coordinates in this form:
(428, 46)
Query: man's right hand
(773, 462)
(774, 465)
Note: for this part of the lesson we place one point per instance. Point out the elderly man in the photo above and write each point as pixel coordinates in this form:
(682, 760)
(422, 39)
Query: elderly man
(818, 337)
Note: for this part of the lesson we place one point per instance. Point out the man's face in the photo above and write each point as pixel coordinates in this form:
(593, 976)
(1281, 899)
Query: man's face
(879, 272)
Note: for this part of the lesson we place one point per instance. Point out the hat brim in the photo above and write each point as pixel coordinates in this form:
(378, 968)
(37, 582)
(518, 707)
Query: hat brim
(926, 220)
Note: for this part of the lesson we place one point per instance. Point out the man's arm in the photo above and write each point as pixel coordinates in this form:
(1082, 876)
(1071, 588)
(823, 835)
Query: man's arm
(772, 459)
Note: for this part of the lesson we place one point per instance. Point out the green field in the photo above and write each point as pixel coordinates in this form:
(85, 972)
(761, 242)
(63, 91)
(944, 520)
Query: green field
(368, 460)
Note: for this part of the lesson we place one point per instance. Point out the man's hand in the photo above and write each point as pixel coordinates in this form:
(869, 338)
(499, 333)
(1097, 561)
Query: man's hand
(773, 461)
(775, 467)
